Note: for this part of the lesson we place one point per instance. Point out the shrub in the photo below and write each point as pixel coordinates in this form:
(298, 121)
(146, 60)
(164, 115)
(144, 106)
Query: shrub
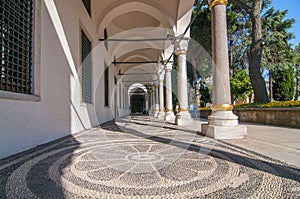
(270, 104)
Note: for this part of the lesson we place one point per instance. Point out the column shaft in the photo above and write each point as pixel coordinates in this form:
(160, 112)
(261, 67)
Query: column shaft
(150, 101)
(161, 113)
(182, 82)
(156, 101)
(161, 96)
(221, 91)
(169, 104)
(183, 117)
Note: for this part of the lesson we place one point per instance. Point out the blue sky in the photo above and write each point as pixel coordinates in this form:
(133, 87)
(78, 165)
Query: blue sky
(293, 6)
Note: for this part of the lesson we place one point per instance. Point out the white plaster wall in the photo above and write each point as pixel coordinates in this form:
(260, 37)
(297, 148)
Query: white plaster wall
(25, 124)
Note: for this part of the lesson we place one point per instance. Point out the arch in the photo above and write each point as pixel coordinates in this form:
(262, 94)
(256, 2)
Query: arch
(139, 78)
(109, 14)
(138, 57)
(138, 99)
(120, 48)
(135, 86)
(183, 16)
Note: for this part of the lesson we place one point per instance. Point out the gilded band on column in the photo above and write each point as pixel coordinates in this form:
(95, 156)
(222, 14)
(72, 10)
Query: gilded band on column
(222, 107)
(183, 109)
(217, 2)
(181, 52)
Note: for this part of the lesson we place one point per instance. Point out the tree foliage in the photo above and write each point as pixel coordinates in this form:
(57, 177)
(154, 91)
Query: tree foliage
(204, 93)
(238, 39)
(284, 85)
(252, 10)
(277, 51)
(241, 87)
(257, 39)
(201, 28)
(297, 71)
(200, 32)
(277, 54)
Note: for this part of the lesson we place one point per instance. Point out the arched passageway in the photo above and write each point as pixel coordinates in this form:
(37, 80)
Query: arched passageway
(138, 99)
(138, 102)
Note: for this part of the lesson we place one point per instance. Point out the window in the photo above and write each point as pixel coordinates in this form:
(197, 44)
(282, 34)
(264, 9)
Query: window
(106, 86)
(16, 46)
(86, 73)
(87, 5)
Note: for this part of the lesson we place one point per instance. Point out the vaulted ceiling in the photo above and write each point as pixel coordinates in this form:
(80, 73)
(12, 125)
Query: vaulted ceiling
(140, 19)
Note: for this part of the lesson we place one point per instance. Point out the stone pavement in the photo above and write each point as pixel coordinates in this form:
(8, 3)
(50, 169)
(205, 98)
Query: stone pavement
(142, 157)
(276, 142)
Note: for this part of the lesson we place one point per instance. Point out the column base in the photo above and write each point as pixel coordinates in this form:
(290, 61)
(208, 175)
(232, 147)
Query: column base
(156, 113)
(223, 125)
(170, 117)
(224, 132)
(183, 118)
(161, 115)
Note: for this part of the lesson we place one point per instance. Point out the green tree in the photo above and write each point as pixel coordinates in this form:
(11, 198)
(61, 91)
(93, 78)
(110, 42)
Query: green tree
(200, 32)
(253, 9)
(269, 41)
(201, 26)
(284, 85)
(241, 87)
(243, 20)
(297, 71)
(255, 36)
(277, 54)
(204, 93)
(238, 40)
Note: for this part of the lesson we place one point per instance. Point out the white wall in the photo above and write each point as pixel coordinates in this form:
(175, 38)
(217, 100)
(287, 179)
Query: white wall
(25, 124)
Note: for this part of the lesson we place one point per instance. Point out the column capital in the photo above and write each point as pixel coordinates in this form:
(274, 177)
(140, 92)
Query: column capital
(181, 46)
(169, 67)
(160, 67)
(168, 70)
(213, 3)
(161, 71)
(162, 75)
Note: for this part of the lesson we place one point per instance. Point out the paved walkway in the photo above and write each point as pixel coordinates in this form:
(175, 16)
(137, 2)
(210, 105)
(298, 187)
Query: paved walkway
(276, 142)
(142, 157)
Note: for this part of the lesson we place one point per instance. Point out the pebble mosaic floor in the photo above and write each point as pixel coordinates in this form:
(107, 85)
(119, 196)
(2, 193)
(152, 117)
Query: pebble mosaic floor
(141, 157)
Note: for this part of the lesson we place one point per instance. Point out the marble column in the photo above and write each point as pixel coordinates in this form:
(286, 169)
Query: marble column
(150, 101)
(153, 100)
(182, 117)
(161, 113)
(147, 102)
(156, 101)
(169, 105)
(222, 123)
